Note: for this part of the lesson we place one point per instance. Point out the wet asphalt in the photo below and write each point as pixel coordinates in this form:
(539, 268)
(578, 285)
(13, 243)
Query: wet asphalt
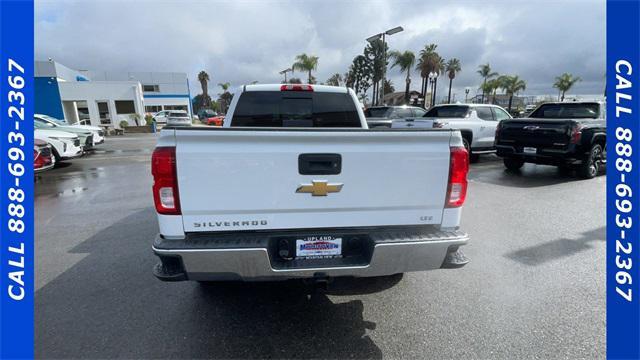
(535, 286)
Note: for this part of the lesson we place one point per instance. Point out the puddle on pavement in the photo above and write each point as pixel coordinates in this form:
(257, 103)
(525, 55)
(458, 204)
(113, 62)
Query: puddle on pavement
(71, 192)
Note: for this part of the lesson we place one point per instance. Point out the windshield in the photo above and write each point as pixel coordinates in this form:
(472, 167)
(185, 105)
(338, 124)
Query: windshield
(51, 118)
(295, 109)
(41, 124)
(452, 111)
(567, 111)
(377, 112)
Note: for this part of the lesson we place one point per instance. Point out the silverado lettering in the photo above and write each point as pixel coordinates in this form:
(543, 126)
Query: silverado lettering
(230, 223)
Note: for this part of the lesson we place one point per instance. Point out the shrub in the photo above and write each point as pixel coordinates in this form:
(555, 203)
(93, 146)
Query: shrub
(124, 124)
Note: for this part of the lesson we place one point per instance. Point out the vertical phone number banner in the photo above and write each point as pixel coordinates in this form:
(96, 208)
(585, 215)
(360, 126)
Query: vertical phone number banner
(16, 179)
(623, 179)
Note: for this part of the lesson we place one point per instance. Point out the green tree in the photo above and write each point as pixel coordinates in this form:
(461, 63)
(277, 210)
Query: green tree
(203, 78)
(335, 80)
(388, 87)
(306, 63)
(224, 98)
(564, 83)
(512, 85)
(452, 68)
(375, 52)
(405, 61)
(429, 62)
(485, 72)
(360, 75)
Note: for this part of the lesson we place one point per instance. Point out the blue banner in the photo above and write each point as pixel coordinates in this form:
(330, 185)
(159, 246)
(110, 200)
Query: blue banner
(623, 179)
(16, 180)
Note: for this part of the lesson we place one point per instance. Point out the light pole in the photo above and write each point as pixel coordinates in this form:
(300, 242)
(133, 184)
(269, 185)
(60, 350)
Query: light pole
(284, 72)
(375, 37)
(466, 94)
(433, 77)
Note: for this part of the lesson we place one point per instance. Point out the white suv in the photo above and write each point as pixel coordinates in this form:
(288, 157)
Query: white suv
(476, 122)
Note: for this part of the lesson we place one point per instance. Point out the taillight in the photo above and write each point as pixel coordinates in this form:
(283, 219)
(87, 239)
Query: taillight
(576, 133)
(296, 87)
(165, 181)
(38, 161)
(458, 169)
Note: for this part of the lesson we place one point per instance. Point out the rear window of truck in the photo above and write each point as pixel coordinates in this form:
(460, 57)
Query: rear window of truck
(377, 112)
(452, 111)
(295, 109)
(567, 111)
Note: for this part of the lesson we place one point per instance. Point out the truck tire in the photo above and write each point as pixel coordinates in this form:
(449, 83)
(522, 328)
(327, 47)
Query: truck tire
(513, 164)
(592, 164)
(56, 156)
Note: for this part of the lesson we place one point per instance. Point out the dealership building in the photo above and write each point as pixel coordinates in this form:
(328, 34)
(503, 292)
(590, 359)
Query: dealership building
(103, 98)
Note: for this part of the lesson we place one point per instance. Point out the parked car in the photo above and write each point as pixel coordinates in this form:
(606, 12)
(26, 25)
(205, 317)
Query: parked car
(215, 121)
(161, 117)
(570, 135)
(204, 114)
(98, 132)
(383, 116)
(178, 118)
(65, 145)
(294, 189)
(43, 158)
(86, 137)
(476, 122)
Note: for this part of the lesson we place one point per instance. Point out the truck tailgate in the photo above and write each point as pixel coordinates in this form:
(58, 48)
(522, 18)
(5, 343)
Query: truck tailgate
(536, 132)
(230, 180)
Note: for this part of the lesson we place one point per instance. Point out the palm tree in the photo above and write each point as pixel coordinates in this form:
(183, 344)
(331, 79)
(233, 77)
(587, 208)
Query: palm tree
(334, 80)
(486, 73)
(453, 67)
(564, 83)
(439, 69)
(224, 96)
(511, 85)
(306, 63)
(427, 63)
(405, 61)
(203, 78)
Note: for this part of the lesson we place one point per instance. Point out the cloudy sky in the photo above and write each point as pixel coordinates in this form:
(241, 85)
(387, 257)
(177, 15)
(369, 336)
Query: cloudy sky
(243, 41)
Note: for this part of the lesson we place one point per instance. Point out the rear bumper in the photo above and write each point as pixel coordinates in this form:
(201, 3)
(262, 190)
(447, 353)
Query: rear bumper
(251, 257)
(544, 156)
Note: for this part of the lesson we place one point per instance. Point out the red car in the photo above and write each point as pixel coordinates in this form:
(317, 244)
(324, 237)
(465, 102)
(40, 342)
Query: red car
(215, 120)
(43, 158)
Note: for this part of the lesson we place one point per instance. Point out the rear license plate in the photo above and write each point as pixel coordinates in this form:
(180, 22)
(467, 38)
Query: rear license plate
(530, 150)
(319, 247)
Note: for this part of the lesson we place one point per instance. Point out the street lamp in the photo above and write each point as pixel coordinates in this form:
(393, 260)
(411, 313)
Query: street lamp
(375, 37)
(466, 94)
(284, 72)
(433, 78)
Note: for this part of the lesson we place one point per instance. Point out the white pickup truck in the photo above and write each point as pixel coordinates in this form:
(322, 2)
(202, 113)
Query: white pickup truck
(296, 186)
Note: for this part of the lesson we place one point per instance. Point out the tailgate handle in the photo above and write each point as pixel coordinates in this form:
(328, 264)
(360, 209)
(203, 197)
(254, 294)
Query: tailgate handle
(319, 164)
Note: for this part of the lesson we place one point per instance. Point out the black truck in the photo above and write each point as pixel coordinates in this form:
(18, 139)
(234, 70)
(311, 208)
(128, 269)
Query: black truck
(570, 135)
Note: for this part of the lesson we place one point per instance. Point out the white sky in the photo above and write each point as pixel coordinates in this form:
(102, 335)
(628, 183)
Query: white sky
(243, 41)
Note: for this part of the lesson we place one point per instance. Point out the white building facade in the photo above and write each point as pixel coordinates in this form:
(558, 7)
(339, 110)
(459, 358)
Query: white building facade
(107, 99)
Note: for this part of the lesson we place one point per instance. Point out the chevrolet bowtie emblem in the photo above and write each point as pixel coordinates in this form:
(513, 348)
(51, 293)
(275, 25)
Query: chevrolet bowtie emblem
(319, 188)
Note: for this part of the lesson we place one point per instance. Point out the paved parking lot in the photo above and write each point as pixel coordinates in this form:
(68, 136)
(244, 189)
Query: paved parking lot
(535, 287)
